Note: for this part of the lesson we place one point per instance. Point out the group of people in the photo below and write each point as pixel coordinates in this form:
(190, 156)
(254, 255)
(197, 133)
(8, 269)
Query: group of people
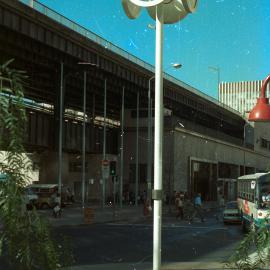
(185, 208)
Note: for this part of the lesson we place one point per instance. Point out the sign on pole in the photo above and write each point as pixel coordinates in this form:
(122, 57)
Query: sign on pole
(105, 169)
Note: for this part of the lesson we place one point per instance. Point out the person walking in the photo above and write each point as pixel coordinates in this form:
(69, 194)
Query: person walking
(198, 206)
(179, 203)
(57, 206)
(189, 210)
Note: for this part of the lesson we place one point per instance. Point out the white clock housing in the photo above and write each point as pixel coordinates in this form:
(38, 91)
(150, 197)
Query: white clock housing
(174, 10)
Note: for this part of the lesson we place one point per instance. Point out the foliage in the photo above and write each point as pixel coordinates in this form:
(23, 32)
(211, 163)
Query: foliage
(257, 243)
(26, 240)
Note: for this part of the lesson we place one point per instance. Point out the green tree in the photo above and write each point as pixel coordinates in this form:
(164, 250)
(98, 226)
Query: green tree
(253, 252)
(26, 239)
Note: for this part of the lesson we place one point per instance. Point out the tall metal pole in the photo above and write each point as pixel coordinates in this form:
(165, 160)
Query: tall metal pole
(137, 150)
(94, 109)
(60, 146)
(83, 140)
(149, 141)
(245, 147)
(104, 140)
(218, 73)
(122, 150)
(151, 148)
(217, 70)
(158, 143)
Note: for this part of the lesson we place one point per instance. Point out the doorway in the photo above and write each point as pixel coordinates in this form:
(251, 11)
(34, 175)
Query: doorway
(204, 180)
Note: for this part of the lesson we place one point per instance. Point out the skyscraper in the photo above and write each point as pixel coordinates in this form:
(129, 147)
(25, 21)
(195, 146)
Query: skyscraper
(241, 96)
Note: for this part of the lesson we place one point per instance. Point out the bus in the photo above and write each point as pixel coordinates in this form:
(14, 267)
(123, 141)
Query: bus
(253, 198)
(46, 194)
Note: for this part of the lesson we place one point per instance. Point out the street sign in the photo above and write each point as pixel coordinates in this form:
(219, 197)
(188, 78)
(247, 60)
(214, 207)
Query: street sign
(105, 169)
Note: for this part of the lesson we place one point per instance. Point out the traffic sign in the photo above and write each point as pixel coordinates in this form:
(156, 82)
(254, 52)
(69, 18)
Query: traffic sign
(105, 168)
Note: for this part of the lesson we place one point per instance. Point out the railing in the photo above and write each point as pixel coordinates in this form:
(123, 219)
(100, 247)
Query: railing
(108, 45)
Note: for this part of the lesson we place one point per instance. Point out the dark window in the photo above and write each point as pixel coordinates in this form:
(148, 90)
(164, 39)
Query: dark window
(263, 143)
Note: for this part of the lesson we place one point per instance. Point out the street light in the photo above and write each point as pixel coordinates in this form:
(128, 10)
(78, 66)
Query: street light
(261, 111)
(149, 129)
(83, 133)
(217, 70)
(163, 12)
(244, 145)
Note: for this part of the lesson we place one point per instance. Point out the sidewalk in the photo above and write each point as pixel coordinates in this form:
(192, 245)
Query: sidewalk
(74, 216)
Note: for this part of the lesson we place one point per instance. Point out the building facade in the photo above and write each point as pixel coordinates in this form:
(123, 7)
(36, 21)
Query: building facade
(196, 160)
(241, 96)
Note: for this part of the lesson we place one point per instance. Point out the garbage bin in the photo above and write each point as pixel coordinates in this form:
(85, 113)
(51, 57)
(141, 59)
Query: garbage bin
(88, 215)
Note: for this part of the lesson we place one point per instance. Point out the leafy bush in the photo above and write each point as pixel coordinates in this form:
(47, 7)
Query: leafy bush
(253, 252)
(26, 240)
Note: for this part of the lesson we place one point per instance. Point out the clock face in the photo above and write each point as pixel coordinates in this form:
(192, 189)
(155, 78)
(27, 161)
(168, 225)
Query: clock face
(146, 3)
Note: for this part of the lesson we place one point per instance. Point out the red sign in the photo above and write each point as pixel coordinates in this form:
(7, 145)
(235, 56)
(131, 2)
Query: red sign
(105, 162)
(246, 207)
(105, 169)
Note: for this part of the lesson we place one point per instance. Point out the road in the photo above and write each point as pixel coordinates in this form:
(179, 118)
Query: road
(124, 242)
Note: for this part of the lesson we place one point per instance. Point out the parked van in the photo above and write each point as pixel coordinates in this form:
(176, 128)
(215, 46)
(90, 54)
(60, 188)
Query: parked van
(45, 193)
(30, 198)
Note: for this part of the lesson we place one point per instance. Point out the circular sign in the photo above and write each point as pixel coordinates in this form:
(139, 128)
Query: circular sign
(105, 162)
(146, 3)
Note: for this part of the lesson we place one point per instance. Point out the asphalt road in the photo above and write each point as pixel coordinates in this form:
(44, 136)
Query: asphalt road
(114, 243)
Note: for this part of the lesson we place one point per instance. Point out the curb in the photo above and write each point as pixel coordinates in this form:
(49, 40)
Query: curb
(148, 265)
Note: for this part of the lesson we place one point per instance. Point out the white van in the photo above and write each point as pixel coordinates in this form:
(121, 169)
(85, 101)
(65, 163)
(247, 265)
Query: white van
(45, 193)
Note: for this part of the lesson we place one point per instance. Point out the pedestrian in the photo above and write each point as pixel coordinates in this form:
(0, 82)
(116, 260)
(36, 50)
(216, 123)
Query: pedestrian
(220, 208)
(189, 210)
(179, 203)
(144, 196)
(198, 206)
(147, 208)
(221, 202)
(69, 195)
(57, 206)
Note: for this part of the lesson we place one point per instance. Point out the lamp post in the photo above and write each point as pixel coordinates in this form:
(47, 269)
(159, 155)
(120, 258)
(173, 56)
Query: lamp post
(60, 139)
(83, 131)
(163, 12)
(149, 129)
(217, 70)
(83, 139)
(246, 124)
(261, 111)
(60, 134)
(122, 149)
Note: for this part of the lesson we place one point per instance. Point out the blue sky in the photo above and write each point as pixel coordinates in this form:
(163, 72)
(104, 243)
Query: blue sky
(233, 35)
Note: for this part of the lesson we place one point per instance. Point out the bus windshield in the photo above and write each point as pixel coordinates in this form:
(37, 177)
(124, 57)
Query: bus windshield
(264, 191)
